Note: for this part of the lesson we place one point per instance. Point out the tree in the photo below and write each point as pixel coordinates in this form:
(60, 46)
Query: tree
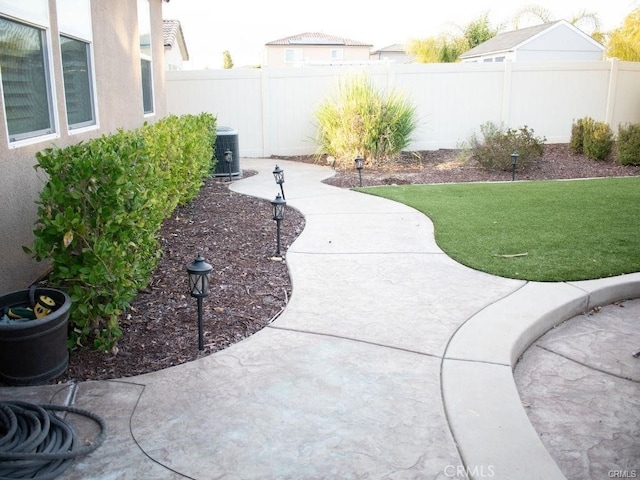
(535, 13)
(447, 48)
(227, 61)
(426, 50)
(587, 21)
(441, 49)
(584, 20)
(479, 30)
(624, 42)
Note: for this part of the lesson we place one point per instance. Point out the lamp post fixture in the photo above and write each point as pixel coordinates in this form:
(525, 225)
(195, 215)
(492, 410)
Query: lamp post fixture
(514, 164)
(199, 279)
(278, 205)
(228, 158)
(359, 161)
(278, 175)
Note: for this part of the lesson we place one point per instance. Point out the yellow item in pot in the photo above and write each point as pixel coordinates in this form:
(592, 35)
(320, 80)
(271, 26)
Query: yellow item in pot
(44, 306)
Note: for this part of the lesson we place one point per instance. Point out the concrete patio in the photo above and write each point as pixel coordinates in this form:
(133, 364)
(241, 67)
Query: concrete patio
(391, 361)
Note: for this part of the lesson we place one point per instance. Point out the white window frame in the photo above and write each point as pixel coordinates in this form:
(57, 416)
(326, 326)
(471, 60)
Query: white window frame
(36, 16)
(74, 22)
(293, 55)
(91, 124)
(144, 6)
(337, 54)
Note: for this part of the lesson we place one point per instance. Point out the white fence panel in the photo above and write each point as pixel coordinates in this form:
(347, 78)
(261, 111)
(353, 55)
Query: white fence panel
(451, 100)
(233, 96)
(625, 94)
(548, 97)
(291, 98)
(273, 109)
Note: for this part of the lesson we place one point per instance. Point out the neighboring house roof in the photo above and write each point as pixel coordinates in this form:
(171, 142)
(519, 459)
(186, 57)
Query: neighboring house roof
(510, 41)
(396, 47)
(318, 39)
(173, 36)
(393, 53)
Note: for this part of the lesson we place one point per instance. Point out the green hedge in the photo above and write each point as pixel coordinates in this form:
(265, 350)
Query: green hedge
(101, 209)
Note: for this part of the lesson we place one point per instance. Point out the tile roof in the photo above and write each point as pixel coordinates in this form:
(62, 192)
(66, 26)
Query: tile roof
(172, 33)
(315, 38)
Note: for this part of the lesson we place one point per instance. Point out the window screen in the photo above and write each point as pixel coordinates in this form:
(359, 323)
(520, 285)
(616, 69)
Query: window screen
(25, 80)
(76, 68)
(147, 86)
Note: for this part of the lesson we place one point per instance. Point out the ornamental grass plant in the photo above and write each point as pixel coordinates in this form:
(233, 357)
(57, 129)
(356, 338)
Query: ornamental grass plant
(361, 120)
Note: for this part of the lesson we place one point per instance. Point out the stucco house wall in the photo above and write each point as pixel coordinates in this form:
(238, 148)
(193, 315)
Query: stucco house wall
(315, 49)
(119, 100)
(275, 55)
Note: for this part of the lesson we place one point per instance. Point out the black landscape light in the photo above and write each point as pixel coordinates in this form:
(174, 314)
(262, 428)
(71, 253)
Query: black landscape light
(228, 158)
(514, 164)
(278, 175)
(359, 161)
(278, 205)
(199, 279)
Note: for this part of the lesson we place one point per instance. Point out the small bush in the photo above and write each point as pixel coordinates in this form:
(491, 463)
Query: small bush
(577, 135)
(591, 138)
(597, 142)
(629, 144)
(493, 150)
(101, 209)
(360, 120)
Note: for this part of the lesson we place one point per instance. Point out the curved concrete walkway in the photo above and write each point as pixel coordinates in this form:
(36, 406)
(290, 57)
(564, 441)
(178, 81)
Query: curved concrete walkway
(390, 361)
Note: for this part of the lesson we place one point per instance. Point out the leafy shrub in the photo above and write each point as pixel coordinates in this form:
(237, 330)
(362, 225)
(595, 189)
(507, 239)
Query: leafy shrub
(577, 135)
(597, 142)
(592, 138)
(101, 208)
(629, 144)
(493, 150)
(360, 120)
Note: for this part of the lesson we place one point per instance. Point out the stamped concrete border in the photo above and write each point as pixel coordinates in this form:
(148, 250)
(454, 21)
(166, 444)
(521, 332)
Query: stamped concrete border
(491, 428)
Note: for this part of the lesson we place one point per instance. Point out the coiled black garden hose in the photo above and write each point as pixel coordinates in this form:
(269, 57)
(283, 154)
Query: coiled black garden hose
(35, 443)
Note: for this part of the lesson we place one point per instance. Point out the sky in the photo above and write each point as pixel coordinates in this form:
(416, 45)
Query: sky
(244, 26)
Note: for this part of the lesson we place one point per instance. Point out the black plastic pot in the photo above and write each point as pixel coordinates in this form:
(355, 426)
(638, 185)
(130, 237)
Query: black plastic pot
(34, 351)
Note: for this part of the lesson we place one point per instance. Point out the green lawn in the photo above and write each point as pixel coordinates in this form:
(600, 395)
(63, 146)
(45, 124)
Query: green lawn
(543, 231)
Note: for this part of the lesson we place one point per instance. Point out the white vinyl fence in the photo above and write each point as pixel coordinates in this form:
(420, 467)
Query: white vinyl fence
(273, 109)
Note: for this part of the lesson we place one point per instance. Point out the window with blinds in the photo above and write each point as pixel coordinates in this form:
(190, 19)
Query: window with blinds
(26, 86)
(78, 91)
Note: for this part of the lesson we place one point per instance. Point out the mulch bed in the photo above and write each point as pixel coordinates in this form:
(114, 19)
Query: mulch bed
(250, 286)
